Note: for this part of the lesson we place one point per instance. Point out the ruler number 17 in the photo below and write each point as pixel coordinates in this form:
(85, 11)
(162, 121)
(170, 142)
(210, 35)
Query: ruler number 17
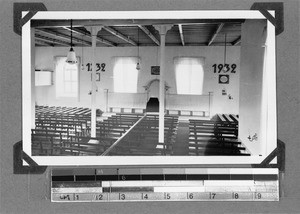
(212, 195)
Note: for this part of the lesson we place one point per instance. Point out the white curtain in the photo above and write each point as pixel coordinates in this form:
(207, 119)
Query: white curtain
(189, 75)
(125, 74)
(66, 78)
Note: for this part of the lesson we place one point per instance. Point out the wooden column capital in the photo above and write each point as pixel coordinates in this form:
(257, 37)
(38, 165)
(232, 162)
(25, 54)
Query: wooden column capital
(93, 29)
(163, 29)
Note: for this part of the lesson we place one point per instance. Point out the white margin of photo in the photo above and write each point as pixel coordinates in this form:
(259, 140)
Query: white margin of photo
(144, 160)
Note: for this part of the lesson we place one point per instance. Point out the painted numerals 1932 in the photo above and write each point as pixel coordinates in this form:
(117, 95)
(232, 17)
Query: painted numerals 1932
(225, 68)
(99, 67)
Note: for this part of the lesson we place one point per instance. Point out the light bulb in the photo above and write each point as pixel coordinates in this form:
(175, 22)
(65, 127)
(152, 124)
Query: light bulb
(71, 57)
(138, 67)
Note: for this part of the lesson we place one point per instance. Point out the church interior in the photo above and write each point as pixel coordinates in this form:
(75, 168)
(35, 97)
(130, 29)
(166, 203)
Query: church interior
(149, 87)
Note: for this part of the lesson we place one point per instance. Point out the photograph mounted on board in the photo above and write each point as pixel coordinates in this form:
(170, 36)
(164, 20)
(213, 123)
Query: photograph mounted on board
(177, 114)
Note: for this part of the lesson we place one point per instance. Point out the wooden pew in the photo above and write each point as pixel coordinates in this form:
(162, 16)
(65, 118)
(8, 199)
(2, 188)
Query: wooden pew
(215, 137)
(143, 139)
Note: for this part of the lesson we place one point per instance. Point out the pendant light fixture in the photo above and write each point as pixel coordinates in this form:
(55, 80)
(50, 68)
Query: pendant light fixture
(138, 66)
(224, 67)
(71, 57)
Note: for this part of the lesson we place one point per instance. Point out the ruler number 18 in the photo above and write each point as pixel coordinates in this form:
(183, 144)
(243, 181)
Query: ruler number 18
(235, 196)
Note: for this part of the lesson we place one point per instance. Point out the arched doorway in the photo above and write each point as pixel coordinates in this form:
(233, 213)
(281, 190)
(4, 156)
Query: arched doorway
(152, 90)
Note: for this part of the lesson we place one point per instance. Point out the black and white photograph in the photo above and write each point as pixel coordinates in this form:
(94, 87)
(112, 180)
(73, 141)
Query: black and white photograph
(90, 88)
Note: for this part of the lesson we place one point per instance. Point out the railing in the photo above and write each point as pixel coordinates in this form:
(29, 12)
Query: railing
(126, 100)
(189, 102)
(173, 101)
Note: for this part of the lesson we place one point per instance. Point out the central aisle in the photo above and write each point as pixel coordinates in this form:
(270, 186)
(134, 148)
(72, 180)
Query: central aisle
(181, 145)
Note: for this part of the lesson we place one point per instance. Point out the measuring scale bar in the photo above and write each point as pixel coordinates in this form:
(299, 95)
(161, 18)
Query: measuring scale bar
(168, 190)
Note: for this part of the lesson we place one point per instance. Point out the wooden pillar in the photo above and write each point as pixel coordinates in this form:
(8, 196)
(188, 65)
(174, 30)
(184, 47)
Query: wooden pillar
(33, 96)
(162, 29)
(94, 31)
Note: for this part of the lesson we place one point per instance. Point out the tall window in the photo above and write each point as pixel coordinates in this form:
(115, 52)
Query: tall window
(189, 75)
(66, 78)
(125, 74)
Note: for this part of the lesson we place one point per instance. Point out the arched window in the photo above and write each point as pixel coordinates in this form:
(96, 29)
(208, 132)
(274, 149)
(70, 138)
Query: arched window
(189, 75)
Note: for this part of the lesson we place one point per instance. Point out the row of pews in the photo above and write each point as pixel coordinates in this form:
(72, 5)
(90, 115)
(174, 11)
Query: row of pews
(218, 136)
(63, 131)
(66, 131)
(142, 139)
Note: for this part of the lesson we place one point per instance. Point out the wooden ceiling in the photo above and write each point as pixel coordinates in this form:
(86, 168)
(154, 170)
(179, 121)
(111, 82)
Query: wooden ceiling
(126, 33)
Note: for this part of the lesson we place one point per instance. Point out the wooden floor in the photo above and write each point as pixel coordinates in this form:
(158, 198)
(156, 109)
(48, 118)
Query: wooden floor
(62, 131)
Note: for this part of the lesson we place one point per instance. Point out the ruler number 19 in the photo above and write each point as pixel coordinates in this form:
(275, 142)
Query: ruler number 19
(258, 195)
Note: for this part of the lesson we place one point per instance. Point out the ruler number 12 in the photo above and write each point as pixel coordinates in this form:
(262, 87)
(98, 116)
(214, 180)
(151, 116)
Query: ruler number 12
(99, 197)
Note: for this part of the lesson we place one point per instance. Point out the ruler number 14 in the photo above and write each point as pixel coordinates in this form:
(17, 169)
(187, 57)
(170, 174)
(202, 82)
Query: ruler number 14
(144, 196)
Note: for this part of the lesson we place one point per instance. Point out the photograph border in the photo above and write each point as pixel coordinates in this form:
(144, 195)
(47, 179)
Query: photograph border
(27, 86)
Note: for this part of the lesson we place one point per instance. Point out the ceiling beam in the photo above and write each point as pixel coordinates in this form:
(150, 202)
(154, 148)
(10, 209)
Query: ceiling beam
(43, 42)
(50, 40)
(63, 36)
(149, 34)
(181, 34)
(220, 26)
(88, 34)
(128, 22)
(119, 35)
(237, 41)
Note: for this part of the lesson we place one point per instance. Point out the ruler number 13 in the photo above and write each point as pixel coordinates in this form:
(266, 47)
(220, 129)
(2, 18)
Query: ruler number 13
(122, 196)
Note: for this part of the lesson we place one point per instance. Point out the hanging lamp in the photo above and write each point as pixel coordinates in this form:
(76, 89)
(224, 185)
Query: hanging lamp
(225, 69)
(138, 66)
(71, 57)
